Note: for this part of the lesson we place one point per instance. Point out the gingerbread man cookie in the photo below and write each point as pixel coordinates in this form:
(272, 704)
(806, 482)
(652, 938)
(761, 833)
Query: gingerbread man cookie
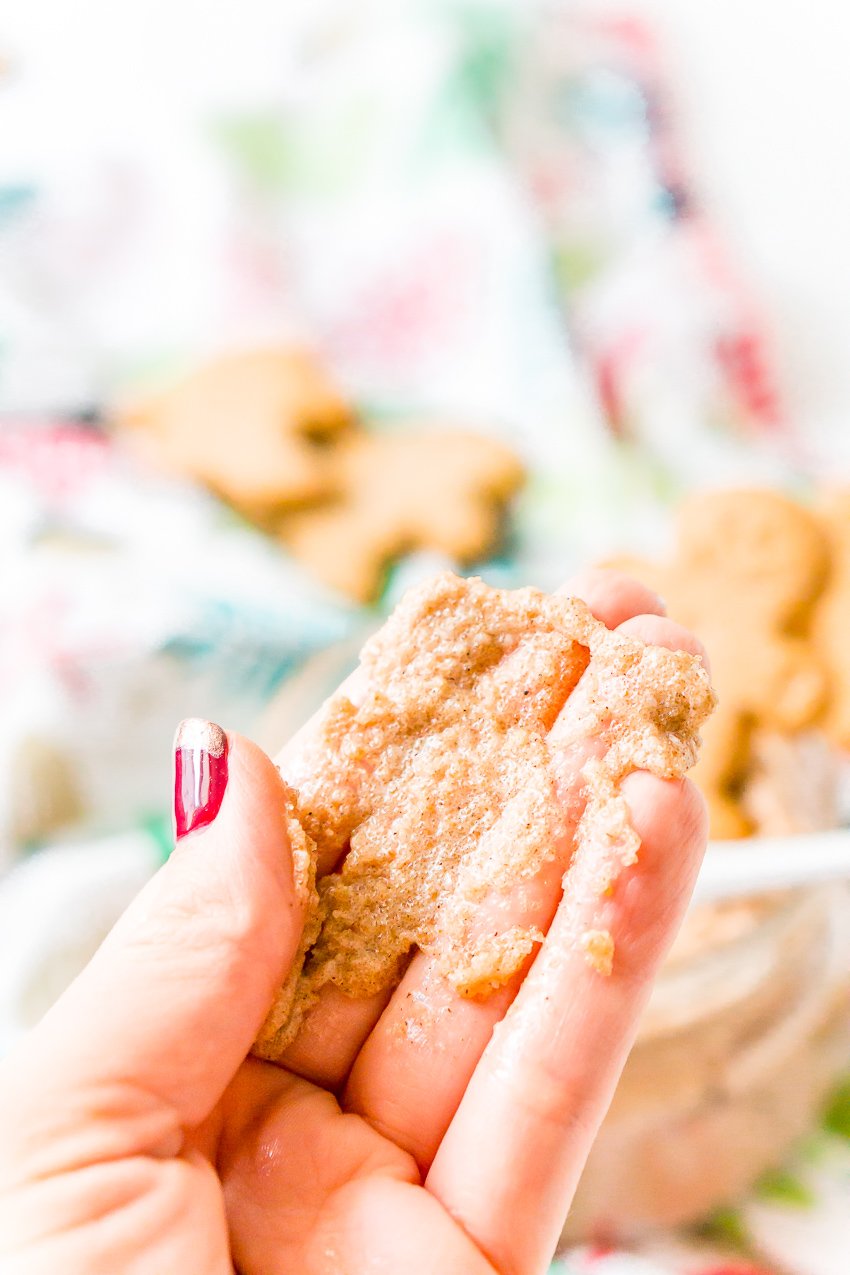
(443, 490)
(748, 570)
(253, 425)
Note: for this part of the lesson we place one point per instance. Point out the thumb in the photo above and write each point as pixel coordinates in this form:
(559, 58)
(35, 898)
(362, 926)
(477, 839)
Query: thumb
(173, 999)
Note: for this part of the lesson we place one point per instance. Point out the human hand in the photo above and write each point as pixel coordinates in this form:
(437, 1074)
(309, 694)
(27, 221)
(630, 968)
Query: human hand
(137, 1138)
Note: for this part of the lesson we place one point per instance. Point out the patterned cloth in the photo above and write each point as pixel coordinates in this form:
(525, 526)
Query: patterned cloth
(476, 210)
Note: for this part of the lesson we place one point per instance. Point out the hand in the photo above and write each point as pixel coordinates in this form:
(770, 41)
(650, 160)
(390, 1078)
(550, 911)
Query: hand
(136, 1138)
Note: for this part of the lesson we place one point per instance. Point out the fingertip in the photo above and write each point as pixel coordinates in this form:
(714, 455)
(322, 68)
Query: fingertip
(657, 630)
(255, 783)
(612, 595)
(669, 813)
(651, 898)
(248, 833)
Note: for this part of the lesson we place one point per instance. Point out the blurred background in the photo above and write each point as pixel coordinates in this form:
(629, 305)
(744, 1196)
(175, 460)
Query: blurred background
(300, 303)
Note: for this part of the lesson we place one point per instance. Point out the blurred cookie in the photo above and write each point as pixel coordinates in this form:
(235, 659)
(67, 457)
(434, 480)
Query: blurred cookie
(443, 490)
(253, 425)
(832, 620)
(748, 569)
(792, 783)
(44, 789)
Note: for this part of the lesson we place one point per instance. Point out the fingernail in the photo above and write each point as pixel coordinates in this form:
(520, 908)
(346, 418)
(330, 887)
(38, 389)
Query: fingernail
(200, 774)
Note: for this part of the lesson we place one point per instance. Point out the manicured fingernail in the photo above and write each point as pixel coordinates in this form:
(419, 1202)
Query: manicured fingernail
(200, 774)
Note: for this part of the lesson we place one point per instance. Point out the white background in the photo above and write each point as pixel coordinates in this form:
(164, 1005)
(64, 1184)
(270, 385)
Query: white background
(764, 92)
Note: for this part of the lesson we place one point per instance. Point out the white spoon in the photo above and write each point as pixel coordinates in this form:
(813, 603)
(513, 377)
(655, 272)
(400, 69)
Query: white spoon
(756, 865)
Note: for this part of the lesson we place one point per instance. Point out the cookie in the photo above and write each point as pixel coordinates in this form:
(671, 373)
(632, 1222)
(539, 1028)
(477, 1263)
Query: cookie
(440, 781)
(792, 783)
(443, 490)
(749, 567)
(254, 426)
(832, 618)
(44, 789)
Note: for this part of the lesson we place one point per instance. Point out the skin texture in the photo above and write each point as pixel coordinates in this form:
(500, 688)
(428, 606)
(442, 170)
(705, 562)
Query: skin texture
(136, 1138)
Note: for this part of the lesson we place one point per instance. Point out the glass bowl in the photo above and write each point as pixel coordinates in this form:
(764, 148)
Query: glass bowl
(737, 1050)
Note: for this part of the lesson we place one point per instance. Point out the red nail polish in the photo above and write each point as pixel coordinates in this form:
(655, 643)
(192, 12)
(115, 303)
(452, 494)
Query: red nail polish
(200, 774)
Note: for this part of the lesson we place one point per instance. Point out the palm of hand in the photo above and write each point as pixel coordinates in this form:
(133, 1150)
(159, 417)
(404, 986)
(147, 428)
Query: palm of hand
(311, 1188)
(303, 1187)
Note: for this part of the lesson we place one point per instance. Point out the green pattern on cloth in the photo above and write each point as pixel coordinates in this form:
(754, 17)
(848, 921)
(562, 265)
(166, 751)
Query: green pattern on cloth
(837, 1116)
(784, 1187)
